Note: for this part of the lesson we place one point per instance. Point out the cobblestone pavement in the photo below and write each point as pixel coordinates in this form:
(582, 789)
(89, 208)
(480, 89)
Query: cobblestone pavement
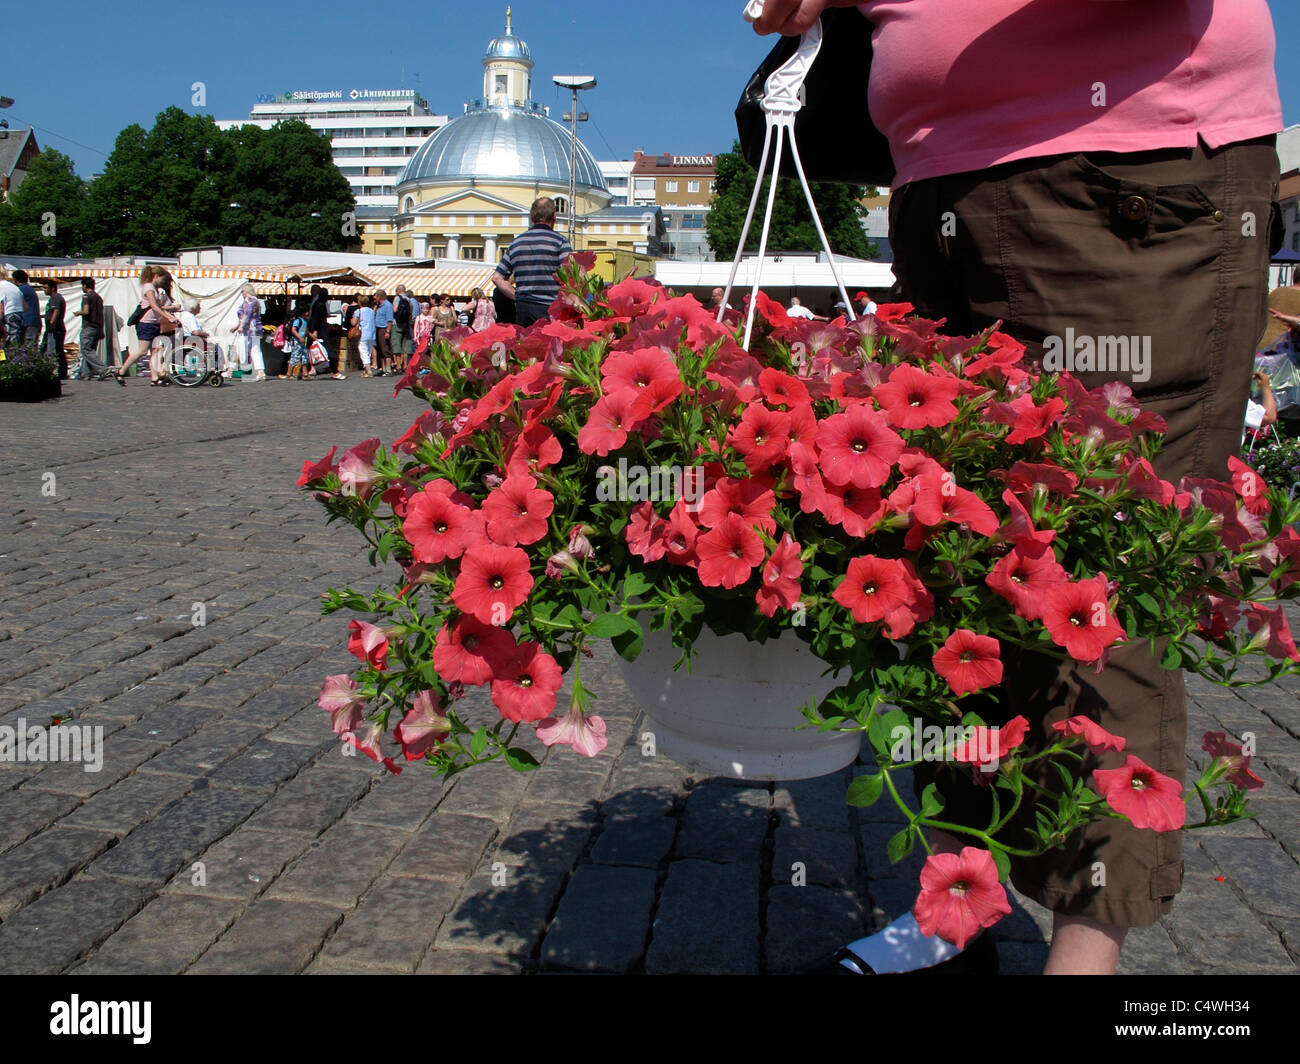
(226, 831)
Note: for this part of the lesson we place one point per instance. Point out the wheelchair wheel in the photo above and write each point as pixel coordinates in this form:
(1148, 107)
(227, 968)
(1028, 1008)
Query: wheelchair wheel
(216, 379)
(189, 365)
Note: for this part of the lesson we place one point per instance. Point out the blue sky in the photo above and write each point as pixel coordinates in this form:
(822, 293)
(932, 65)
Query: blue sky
(669, 71)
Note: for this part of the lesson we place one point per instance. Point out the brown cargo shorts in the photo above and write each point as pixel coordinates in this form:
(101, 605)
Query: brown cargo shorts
(1161, 257)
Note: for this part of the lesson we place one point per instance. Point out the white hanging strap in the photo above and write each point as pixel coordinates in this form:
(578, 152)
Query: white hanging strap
(781, 103)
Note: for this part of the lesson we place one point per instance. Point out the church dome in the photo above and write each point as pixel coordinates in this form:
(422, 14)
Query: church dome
(506, 143)
(507, 46)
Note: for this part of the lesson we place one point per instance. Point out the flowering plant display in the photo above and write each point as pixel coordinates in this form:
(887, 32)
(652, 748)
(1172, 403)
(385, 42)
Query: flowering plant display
(910, 505)
(1275, 458)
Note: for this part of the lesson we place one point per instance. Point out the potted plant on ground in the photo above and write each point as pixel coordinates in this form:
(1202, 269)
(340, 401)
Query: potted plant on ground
(28, 374)
(896, 507)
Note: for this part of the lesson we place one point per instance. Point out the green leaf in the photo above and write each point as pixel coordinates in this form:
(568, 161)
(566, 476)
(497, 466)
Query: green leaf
(521, 760)
(479, 742)
(1172, 659)
(1003, 862)
(900, 845)
(865, 790)
(635, 584)
(628, 643)
(610, 625)
(931, 802)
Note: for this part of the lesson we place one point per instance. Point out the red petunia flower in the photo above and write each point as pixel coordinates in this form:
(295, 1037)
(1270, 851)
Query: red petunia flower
(422, 728)
(1148, 798)
(969, 661)
(1250, 486)
(612, 417)
(1032, 421)
(516, 512)
(356, 468)
(340, 698)
(1271, 631)
(493, 581)
(994, 743)
(315, 470)
(534, 448)
(469, 651)
(728, 552)
(939, 499)
(857, 510)
(1099, 740)
(873, 587)
(857, 447)
(681, 535)
(1078, 618)
(1232, 760)
(1047, 477)
(524, 686)
(781, 578)
(1023, 576)
(781, 388)
(648, 369)
(960, 895)
(747, 499)
(645, 532)
(762, 437)
(437, 527)
(914, 399)
(369, 642)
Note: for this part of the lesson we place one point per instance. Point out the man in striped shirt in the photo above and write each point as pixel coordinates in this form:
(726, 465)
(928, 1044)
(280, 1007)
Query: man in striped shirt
(533, 258)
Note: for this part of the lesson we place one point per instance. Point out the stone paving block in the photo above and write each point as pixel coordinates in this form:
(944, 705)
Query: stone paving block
(707, 922)
(264, 766)
(546, 840)
(1150, 951)
(563, 784)
(404, 801)
(816, 803)
(271, 938)
(447, 846)
(307, 727)
(465, 962)
(169, 723)
(276, 704)
(24, 812)
(485, 793)
(119, 758)
(154, 851)
(50, 858)
(1282, 822)
(128, 803)
(242, 865)
(643, 842)
(1215, 928)
(724, 823)
(51, 933)
(808, 924)
(203, 751)
(826, 858)
(394, 925)
(1265, 872)
(340, 866)
(639, 803)
(163, 938)
(603, 920)
(502, 911)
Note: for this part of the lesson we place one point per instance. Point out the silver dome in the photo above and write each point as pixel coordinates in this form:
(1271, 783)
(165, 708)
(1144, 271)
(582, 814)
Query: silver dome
(507, 143)
(507, 46)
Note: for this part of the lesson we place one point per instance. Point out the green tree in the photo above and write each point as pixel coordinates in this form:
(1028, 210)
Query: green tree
(43, 215)
(288, 190)
(161, 190)
(792, 225)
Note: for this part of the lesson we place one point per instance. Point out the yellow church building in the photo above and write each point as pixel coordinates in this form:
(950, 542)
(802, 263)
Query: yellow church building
(467, 190)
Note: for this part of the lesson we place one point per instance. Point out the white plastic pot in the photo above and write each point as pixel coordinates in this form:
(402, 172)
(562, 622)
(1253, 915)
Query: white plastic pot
(736, 712)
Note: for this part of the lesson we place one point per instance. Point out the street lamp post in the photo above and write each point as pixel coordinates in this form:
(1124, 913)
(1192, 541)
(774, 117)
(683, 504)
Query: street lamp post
(574, 82)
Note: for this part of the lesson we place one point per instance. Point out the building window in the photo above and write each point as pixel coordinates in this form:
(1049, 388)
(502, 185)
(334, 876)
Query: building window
(475, 253)
(668, 221)
(561, 205)
(692, 186)
(670, 186)
(692, 221)
(644, 185)
(410, 204)
(502, 84)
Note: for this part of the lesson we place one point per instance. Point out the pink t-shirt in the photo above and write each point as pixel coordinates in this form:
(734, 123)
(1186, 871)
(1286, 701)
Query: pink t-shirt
(959, 85)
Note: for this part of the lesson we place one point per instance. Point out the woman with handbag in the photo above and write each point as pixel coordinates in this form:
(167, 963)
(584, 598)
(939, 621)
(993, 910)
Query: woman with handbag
(166, 313)
(1138, 199)
(482, 309)
(147, 305)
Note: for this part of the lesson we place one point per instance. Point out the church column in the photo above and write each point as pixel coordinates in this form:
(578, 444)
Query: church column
(489, 247)
(420, 247)
(453, 246)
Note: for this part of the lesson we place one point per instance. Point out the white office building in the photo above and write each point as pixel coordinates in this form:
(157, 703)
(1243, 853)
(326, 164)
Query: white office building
(374, 132)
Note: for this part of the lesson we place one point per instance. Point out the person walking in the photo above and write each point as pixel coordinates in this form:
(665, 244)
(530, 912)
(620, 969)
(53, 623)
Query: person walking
(31, 307)
(92, 332)
(365, 321)
(248, 329)
(163, 345)
(318, 329)
(56, 309)
(11, 313)
(424, 326)
(383, 332)
(347, 342)
(483, 312)
(405, 311)
(146, 327)
(296, 341)
(1150, 211)
(532, 259)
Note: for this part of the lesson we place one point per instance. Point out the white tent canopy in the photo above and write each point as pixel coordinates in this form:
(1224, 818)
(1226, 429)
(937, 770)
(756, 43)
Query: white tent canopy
(788, 272)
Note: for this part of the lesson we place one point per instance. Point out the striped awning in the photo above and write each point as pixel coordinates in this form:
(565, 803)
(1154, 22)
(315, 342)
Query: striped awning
(457, 281)
(269, 280)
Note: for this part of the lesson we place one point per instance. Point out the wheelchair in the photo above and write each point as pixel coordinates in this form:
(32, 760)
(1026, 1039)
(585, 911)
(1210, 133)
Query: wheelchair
(195, 361)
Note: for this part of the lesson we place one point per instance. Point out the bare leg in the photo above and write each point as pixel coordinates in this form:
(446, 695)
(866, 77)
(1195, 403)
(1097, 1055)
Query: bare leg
(1083, 947)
